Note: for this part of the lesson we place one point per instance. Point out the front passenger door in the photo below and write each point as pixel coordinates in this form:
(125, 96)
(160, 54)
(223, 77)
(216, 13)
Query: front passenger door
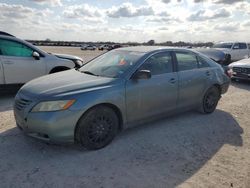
(18, 64)
(156, 95)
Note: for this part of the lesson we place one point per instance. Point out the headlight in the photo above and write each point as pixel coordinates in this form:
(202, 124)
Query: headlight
(48, 106)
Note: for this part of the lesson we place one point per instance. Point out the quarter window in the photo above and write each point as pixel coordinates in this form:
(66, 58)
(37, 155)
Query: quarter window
(186, 61)
(159, 63)
(12, 48)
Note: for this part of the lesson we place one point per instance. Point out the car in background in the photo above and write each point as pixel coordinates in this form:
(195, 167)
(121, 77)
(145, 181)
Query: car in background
(21, 61)
(88, 47)
(240, 69)
(105, 47)
(115, 46)
(235, 50)
(115, 91)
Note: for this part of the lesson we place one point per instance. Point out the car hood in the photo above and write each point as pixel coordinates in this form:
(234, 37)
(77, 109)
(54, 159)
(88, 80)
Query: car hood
(64, 83)
(242, 63)
(225, 50)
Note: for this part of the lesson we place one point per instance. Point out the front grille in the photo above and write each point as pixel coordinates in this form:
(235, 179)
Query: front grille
(21, 104)
(241, 70)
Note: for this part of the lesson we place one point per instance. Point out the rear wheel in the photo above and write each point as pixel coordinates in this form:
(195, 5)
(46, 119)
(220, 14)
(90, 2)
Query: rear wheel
(97, 128)
(210, 100)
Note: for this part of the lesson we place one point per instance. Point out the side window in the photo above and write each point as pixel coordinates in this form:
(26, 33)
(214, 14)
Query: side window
(159, 63)
(236, 46)
(243, 46)
(12, 48)
(186, 61)
(202, 63)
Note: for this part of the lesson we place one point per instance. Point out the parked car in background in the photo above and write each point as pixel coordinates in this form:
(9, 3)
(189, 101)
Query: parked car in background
(88, 47)
(105, 47)
(241, 69)
(115, 46)
(235, 50)
(116, 90)
(21, 62)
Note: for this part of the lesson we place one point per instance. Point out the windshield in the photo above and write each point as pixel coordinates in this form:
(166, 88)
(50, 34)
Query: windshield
(223, 45)
(112, 64)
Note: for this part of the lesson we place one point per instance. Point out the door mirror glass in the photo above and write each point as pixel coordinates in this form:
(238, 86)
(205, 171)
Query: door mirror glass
(142, 74)
(36, 55)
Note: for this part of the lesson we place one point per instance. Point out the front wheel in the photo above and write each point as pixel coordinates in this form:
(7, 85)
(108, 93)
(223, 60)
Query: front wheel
(97, 128)
(210, 100)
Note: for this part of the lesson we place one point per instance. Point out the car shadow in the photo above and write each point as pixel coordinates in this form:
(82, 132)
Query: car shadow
(242, 84)
(164, 153)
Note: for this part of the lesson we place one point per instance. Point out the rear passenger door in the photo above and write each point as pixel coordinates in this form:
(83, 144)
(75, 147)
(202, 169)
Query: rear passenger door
(193, 75)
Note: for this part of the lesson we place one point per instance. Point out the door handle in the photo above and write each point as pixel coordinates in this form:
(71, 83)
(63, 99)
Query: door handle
(172, 80)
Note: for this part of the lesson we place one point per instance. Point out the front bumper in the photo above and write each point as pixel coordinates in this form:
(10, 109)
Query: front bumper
(56, 127)
(241, 76)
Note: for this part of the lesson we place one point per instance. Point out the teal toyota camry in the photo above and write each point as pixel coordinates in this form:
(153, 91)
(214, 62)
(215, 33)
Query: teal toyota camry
(117, 90)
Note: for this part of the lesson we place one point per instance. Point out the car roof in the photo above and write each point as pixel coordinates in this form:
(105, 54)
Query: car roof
(5, 34)
(151, 49)
(147, 49)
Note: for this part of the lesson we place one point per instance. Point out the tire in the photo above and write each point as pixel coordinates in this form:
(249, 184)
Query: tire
(97, 128)
(210, 100)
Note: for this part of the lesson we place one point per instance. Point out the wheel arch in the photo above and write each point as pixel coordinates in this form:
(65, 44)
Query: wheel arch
(109, 105)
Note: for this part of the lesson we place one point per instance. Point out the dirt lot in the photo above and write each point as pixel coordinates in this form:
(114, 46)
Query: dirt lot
(187, 150)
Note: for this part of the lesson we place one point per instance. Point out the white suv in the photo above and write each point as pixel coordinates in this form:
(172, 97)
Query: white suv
(21, 62)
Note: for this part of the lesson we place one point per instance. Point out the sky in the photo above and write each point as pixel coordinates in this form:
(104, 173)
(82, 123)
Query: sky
(127, 21)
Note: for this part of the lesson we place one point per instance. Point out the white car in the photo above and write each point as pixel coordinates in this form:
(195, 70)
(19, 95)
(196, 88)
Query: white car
(241, 69)
(21, 62)
(88, 47)
(236, 50)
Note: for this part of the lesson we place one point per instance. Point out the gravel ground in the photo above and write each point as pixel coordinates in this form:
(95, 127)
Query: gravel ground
(186, 150)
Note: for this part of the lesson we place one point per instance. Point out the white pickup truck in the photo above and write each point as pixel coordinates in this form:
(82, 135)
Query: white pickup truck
(235, 50)
(21, 62)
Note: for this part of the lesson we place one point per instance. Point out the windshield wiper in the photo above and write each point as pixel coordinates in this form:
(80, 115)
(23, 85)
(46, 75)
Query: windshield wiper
(90, 73)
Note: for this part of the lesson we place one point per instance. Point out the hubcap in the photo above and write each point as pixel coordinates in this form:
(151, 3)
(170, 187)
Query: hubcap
(99, 129)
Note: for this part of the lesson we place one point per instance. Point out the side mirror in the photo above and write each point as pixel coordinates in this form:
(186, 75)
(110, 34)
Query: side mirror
(142, 74)
(36, 55)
